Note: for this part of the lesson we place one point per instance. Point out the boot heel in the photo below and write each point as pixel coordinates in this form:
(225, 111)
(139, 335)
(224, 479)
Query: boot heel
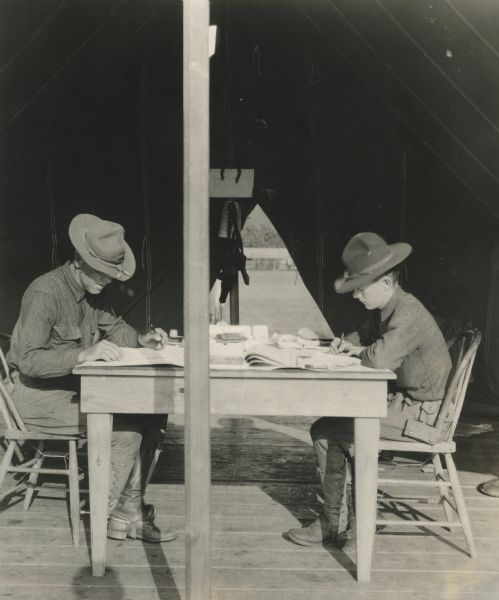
(116, 535)
(117, 528)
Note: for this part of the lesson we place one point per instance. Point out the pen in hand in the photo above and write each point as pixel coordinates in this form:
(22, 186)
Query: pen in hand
(336, 345)
(155, 336)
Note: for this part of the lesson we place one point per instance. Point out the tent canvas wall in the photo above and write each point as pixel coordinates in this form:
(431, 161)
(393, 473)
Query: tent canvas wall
(355, 116)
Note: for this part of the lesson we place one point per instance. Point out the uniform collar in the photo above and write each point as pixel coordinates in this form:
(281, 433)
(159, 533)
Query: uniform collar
(76, 289)
(391, 305)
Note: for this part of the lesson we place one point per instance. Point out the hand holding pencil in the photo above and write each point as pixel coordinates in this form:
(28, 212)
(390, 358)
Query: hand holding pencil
(339, 345)
(154, 338)
(342, 346)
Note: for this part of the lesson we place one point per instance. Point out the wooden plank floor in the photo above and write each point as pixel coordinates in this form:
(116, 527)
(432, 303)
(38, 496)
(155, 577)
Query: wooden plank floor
(263, 483)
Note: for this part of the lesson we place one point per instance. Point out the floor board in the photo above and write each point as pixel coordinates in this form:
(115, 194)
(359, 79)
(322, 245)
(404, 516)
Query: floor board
(264, 482)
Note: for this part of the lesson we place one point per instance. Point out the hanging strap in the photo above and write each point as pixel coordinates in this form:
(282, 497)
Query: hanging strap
(235, 236)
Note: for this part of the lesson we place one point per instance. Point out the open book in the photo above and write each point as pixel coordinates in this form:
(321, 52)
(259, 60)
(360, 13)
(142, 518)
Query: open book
(265, 355)
(170, 355)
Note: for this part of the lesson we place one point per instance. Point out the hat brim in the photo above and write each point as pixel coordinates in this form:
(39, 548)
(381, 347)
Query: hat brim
(77, 230)
(400, 251)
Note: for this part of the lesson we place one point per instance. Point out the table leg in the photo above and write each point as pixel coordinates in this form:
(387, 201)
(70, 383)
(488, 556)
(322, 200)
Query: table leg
(366, 488)
(99, 465)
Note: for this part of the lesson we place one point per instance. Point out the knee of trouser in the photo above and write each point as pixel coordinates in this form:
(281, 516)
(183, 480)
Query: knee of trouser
(323, 432)
(126, 442)
(318, 429)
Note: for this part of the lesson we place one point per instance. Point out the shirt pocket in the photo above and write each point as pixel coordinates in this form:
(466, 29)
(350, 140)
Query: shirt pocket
(67, 334)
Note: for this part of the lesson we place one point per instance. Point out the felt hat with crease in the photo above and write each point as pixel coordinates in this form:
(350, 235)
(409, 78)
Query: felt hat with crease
(366, 257)
(101, 244)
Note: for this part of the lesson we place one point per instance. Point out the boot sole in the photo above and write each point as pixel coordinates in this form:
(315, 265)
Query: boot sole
(304, 543)
(165, 538)
(117, 535)
(122, 535)
(482, 491)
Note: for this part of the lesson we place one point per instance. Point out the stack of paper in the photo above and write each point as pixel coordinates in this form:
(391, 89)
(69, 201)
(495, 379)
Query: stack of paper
(269, 356)
(232, 353)
(265, 355)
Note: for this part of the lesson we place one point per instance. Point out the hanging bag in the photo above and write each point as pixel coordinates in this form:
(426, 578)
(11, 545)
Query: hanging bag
(229, 255)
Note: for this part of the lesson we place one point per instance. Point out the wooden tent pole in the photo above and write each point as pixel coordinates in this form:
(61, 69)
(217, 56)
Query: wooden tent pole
(196, 292)
(230, 156)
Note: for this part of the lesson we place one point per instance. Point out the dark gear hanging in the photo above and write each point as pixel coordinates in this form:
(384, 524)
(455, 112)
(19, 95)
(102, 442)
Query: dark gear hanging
(229, 255)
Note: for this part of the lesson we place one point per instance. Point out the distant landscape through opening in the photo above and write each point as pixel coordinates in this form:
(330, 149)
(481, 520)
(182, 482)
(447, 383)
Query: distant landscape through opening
(276, 296)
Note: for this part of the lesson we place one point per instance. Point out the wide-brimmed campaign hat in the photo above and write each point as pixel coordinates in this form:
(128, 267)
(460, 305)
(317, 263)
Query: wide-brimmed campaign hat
(366, 257)
(101, 244)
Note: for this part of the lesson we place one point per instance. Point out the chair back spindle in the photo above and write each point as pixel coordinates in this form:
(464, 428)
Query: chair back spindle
(8, 409)
(452, 404)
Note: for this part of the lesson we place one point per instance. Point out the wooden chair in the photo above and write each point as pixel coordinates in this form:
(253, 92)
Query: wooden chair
(437, 441)
(16, 434)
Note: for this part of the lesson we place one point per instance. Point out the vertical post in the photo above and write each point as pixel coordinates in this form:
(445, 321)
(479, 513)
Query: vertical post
(234, 292)
(196, 291)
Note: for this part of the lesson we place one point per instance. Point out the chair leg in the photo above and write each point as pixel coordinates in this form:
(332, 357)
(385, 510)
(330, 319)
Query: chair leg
(74, 493)
(33, 477)
(460, 504)
(444, 494)
(7, 461)
(19, 453)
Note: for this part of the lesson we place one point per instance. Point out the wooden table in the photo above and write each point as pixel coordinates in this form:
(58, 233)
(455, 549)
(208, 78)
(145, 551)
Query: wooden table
(359, 393)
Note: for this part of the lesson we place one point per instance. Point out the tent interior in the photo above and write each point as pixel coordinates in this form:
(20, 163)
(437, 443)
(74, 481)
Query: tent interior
(375, 115)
